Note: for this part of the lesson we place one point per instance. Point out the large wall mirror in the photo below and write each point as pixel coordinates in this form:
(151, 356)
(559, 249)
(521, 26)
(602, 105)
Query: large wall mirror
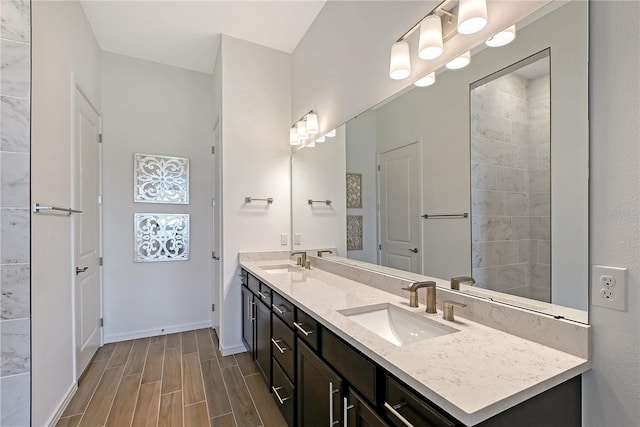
(483, 174)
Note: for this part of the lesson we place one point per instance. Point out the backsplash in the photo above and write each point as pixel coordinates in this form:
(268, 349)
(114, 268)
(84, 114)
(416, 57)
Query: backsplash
(15, 257)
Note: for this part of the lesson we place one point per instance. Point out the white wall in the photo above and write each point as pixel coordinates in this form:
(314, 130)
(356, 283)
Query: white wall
(63, 44)
(362, 158)
(611, 389)
(154, 109)
(319, 173)
(256, 114)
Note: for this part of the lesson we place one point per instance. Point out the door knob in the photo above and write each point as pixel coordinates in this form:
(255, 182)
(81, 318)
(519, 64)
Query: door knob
(81, 270)
(414, 250)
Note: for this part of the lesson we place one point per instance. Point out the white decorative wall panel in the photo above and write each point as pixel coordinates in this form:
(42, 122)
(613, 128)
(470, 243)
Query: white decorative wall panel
(161, 237)
(161, 179)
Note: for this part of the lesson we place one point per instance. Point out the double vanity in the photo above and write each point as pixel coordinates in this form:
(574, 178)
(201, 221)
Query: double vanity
(340, 345)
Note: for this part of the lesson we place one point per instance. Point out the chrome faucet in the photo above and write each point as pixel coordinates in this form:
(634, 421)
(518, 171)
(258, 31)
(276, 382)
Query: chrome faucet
(431, 295)
(302, 259)
(326, 251)
(455, 282)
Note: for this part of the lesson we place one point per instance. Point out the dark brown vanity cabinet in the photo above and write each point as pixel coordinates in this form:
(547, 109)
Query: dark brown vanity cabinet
(318, 379)
(318, 391)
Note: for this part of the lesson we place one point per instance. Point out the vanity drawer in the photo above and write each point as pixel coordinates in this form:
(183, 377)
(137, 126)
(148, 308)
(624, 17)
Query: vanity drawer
(307, 328)
(253, 284)
(406, 404)
(282, 342)
(283, 309)
(283, 393)
(264, 295)
(354, 367)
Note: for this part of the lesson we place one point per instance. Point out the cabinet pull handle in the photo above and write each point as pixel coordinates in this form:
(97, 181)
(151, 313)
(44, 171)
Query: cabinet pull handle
(253, 311)
(249, 309)
(393, 410)
(280, 399)
(263, 296)
(345, 409)
(278, 309)
(332, 391)
(301, 329)
(276, 343)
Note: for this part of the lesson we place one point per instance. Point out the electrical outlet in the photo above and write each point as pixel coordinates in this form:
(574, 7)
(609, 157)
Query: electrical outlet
(297, 239)
(609, 287)
(284, 239)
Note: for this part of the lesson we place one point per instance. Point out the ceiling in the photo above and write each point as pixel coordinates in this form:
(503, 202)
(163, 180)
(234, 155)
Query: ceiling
(186, 34)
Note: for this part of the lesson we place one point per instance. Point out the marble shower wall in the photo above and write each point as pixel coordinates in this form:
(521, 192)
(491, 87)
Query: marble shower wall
(510, 196)
(15, 324)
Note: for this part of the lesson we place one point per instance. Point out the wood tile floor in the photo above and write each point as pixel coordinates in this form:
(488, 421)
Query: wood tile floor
(171, 380)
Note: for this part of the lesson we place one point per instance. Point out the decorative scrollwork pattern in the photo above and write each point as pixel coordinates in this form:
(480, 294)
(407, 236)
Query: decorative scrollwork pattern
(161, 237)
(354, 190)
(161, 179)
(354, 232)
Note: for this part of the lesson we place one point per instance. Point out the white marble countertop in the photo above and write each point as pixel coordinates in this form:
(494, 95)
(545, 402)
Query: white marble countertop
(473, 374)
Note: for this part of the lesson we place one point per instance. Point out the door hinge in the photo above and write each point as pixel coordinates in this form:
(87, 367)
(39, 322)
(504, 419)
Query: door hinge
(100, 199)
(100, 261)
(380, 247)
(213, 150)
(213, 307)
(378, 168)
(101, 322)
(99, 138)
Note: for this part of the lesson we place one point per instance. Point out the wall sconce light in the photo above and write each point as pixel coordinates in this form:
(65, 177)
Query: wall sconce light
(427, 80)
(472, 16)
(301, 128)
(331, 133)
(430, 45)
(320, 140)
(459, 62)
(312, 123)
(503, 38)
(310, 144)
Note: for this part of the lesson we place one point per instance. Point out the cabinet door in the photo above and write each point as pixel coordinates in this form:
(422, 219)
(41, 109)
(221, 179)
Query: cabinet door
(359, 414)
(318, 390)
(248, 320)
(263, 340)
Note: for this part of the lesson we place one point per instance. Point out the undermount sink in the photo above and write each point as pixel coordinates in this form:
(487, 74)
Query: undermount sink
(281, 269)
(398, 326)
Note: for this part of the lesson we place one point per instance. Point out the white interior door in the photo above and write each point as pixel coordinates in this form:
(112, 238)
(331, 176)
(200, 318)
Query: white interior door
(86, 232)
(217, 226)
(400, 195)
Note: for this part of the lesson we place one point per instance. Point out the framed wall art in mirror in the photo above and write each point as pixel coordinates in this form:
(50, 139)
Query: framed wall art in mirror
(161, 237)
(354, 190)
(160, 179)
(354, 232)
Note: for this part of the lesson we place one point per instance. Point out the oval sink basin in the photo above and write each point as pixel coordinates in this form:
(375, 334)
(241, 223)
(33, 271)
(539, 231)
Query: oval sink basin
(398, 326)
(281, 269)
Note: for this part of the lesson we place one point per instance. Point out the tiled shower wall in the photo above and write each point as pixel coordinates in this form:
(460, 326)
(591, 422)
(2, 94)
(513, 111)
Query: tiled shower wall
(15, 324)
(510, 180)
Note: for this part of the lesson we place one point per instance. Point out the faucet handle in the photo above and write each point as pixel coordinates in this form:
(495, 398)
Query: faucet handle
(447, 309)
(455, 282)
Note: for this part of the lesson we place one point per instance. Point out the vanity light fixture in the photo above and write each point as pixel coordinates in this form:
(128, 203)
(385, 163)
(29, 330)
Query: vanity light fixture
(400, 65)
(320, 140)
(310, 144)
(427, 80)
(503, 38)
(331, 133)
(293, 136)
(472, 16)
(459, 62)
(303, 128)
(430, 45)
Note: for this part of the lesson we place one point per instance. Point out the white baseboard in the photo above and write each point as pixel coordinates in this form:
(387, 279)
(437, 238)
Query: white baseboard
(63, 405)
(154, 332)
(228, 351)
